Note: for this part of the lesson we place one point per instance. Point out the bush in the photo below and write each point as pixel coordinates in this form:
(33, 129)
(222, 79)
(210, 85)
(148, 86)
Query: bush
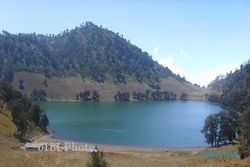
(38, 95)
(184, 96)
(97, 159)
(214, 98)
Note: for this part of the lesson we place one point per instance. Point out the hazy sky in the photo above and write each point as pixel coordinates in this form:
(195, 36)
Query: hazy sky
(199, 39)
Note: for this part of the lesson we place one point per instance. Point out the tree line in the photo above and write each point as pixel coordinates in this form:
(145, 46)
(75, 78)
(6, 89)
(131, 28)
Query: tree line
(147, 95)
(234, 123)
(88, 96)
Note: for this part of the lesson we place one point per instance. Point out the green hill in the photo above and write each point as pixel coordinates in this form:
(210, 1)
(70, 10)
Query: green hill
(233, 124)
(86, 53)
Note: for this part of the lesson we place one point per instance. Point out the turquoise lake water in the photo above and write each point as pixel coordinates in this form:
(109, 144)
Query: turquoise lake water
(146, 124)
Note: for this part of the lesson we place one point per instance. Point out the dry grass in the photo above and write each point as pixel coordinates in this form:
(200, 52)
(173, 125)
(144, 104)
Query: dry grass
(7, 128)
(68, 87)
(11, 156)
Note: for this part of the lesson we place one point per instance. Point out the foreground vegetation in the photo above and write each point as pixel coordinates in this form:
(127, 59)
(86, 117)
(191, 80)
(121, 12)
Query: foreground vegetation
(97, 159)
(11, 155)
(233, 124)
(21, 110)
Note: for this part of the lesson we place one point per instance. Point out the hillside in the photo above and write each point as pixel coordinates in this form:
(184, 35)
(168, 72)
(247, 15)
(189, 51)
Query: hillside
(233, 124)
(95, 57)
(66, 88)
(19, 115)
(234, 88)
(7, 128)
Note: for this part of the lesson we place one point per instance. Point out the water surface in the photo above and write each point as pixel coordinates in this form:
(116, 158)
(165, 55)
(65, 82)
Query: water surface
(147, 124)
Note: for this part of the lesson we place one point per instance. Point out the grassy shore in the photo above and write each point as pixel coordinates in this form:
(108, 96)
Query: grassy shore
(11, 154)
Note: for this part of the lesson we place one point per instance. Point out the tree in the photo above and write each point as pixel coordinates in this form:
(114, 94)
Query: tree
(235, 97)
(97, 159)
(214, 98)
(244, 147)
(85, 96)
(24, 111)
(95, 96)
(38, 95)
(227, 127)
(8, 73)
(44, 121)
(5, 90)
(1, 64)
(19, 117)
(45, 82)
(183, 96)
(220, 128)
(35, 113)
(21, 82)
(210, 130)
(122, 96)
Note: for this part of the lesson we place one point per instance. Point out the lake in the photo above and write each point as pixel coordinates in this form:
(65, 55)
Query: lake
(146, 124)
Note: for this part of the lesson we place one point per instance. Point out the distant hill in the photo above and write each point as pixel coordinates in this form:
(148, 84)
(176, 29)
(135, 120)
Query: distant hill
(234, 88)
(86, 53)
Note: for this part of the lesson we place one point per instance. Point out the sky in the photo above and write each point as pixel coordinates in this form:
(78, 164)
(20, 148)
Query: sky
(196, 38)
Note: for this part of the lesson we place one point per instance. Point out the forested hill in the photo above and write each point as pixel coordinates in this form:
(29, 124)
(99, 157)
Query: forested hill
(89, 50)
(233, 124)
(235, 88)
(86, 58)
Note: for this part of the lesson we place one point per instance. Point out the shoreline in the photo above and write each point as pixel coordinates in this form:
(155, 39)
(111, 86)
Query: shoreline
(48, 138)
(112, 101)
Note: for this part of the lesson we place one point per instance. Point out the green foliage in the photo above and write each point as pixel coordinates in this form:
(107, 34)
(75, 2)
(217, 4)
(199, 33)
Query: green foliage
(45, 83)
(8, 73)
(23, 110)
(1, 64)
(97, 159)
(85, 96)
(5, 91)
(220, 128)
(184, 96)
(95, 96)
(155, 95)
(89, 96)
(235, 88)
(35, 113)
(43, 121)
(245, 135)
(210, 130)
(228, 127)
(164, 95)
(88, 50)
(140, 96)
(38, 95)
(214, 98)
(19, 115)
(122, 96)
(21, 84)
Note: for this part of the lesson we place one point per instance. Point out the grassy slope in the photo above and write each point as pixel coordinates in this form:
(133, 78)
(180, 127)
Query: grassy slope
(7, 128)
(11, 156)
(67, 88)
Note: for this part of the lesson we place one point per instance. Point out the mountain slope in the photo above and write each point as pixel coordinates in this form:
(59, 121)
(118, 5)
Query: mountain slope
(235, 96)
(89, 53)
(235, 88)
(66, 88)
